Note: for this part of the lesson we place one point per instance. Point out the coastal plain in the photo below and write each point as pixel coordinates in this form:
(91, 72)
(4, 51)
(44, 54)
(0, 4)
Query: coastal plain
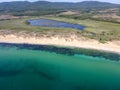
(98, 35)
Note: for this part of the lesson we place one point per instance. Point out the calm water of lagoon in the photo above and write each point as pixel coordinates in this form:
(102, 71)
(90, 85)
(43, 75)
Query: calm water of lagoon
(53, 23)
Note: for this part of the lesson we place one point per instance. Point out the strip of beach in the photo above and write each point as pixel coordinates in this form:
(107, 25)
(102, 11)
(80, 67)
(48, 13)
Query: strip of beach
(72, 41)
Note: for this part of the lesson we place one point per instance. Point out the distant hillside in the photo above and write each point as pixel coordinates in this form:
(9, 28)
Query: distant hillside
(44, 7)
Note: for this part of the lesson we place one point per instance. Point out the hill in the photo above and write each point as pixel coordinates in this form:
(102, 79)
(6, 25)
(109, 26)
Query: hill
(44, 7)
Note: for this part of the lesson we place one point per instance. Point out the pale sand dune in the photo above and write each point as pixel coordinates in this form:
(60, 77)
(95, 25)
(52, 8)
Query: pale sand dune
(62, 41)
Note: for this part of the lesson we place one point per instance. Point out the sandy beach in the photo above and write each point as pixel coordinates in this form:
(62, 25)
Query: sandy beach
(72, 41)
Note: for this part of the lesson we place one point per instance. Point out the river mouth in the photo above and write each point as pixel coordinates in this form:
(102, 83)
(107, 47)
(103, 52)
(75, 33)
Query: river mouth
(38, 67)
(53, 23)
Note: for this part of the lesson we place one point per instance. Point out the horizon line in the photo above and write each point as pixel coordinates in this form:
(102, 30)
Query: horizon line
(59, 1)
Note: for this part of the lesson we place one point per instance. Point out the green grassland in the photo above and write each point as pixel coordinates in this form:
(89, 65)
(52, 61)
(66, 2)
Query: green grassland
(23, 25)
(99, 30)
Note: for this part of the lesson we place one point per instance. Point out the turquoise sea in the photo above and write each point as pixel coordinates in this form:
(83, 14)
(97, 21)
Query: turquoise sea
(30, 69)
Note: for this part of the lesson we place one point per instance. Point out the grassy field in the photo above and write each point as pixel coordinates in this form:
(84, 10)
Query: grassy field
(99, 30)
(23, 25)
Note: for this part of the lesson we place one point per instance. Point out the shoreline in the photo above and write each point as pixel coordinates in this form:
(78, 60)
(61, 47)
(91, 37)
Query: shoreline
(72, 41)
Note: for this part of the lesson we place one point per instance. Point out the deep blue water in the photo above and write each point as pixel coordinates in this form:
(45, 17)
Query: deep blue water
(53, 23)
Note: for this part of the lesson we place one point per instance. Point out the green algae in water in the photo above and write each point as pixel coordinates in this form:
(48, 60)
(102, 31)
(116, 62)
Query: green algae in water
(23, 69)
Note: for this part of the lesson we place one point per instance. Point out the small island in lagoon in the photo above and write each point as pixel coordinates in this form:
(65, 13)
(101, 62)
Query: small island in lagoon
(59, 49)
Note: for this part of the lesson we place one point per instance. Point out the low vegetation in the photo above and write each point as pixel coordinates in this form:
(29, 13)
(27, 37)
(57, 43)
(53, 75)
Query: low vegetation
(102, 20)
(99, 30)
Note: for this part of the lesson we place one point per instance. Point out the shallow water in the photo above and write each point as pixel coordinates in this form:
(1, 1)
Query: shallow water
(25, 69)
(53, 23)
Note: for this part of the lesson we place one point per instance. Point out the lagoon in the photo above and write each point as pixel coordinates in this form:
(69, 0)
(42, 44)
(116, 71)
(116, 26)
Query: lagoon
(53, 23)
